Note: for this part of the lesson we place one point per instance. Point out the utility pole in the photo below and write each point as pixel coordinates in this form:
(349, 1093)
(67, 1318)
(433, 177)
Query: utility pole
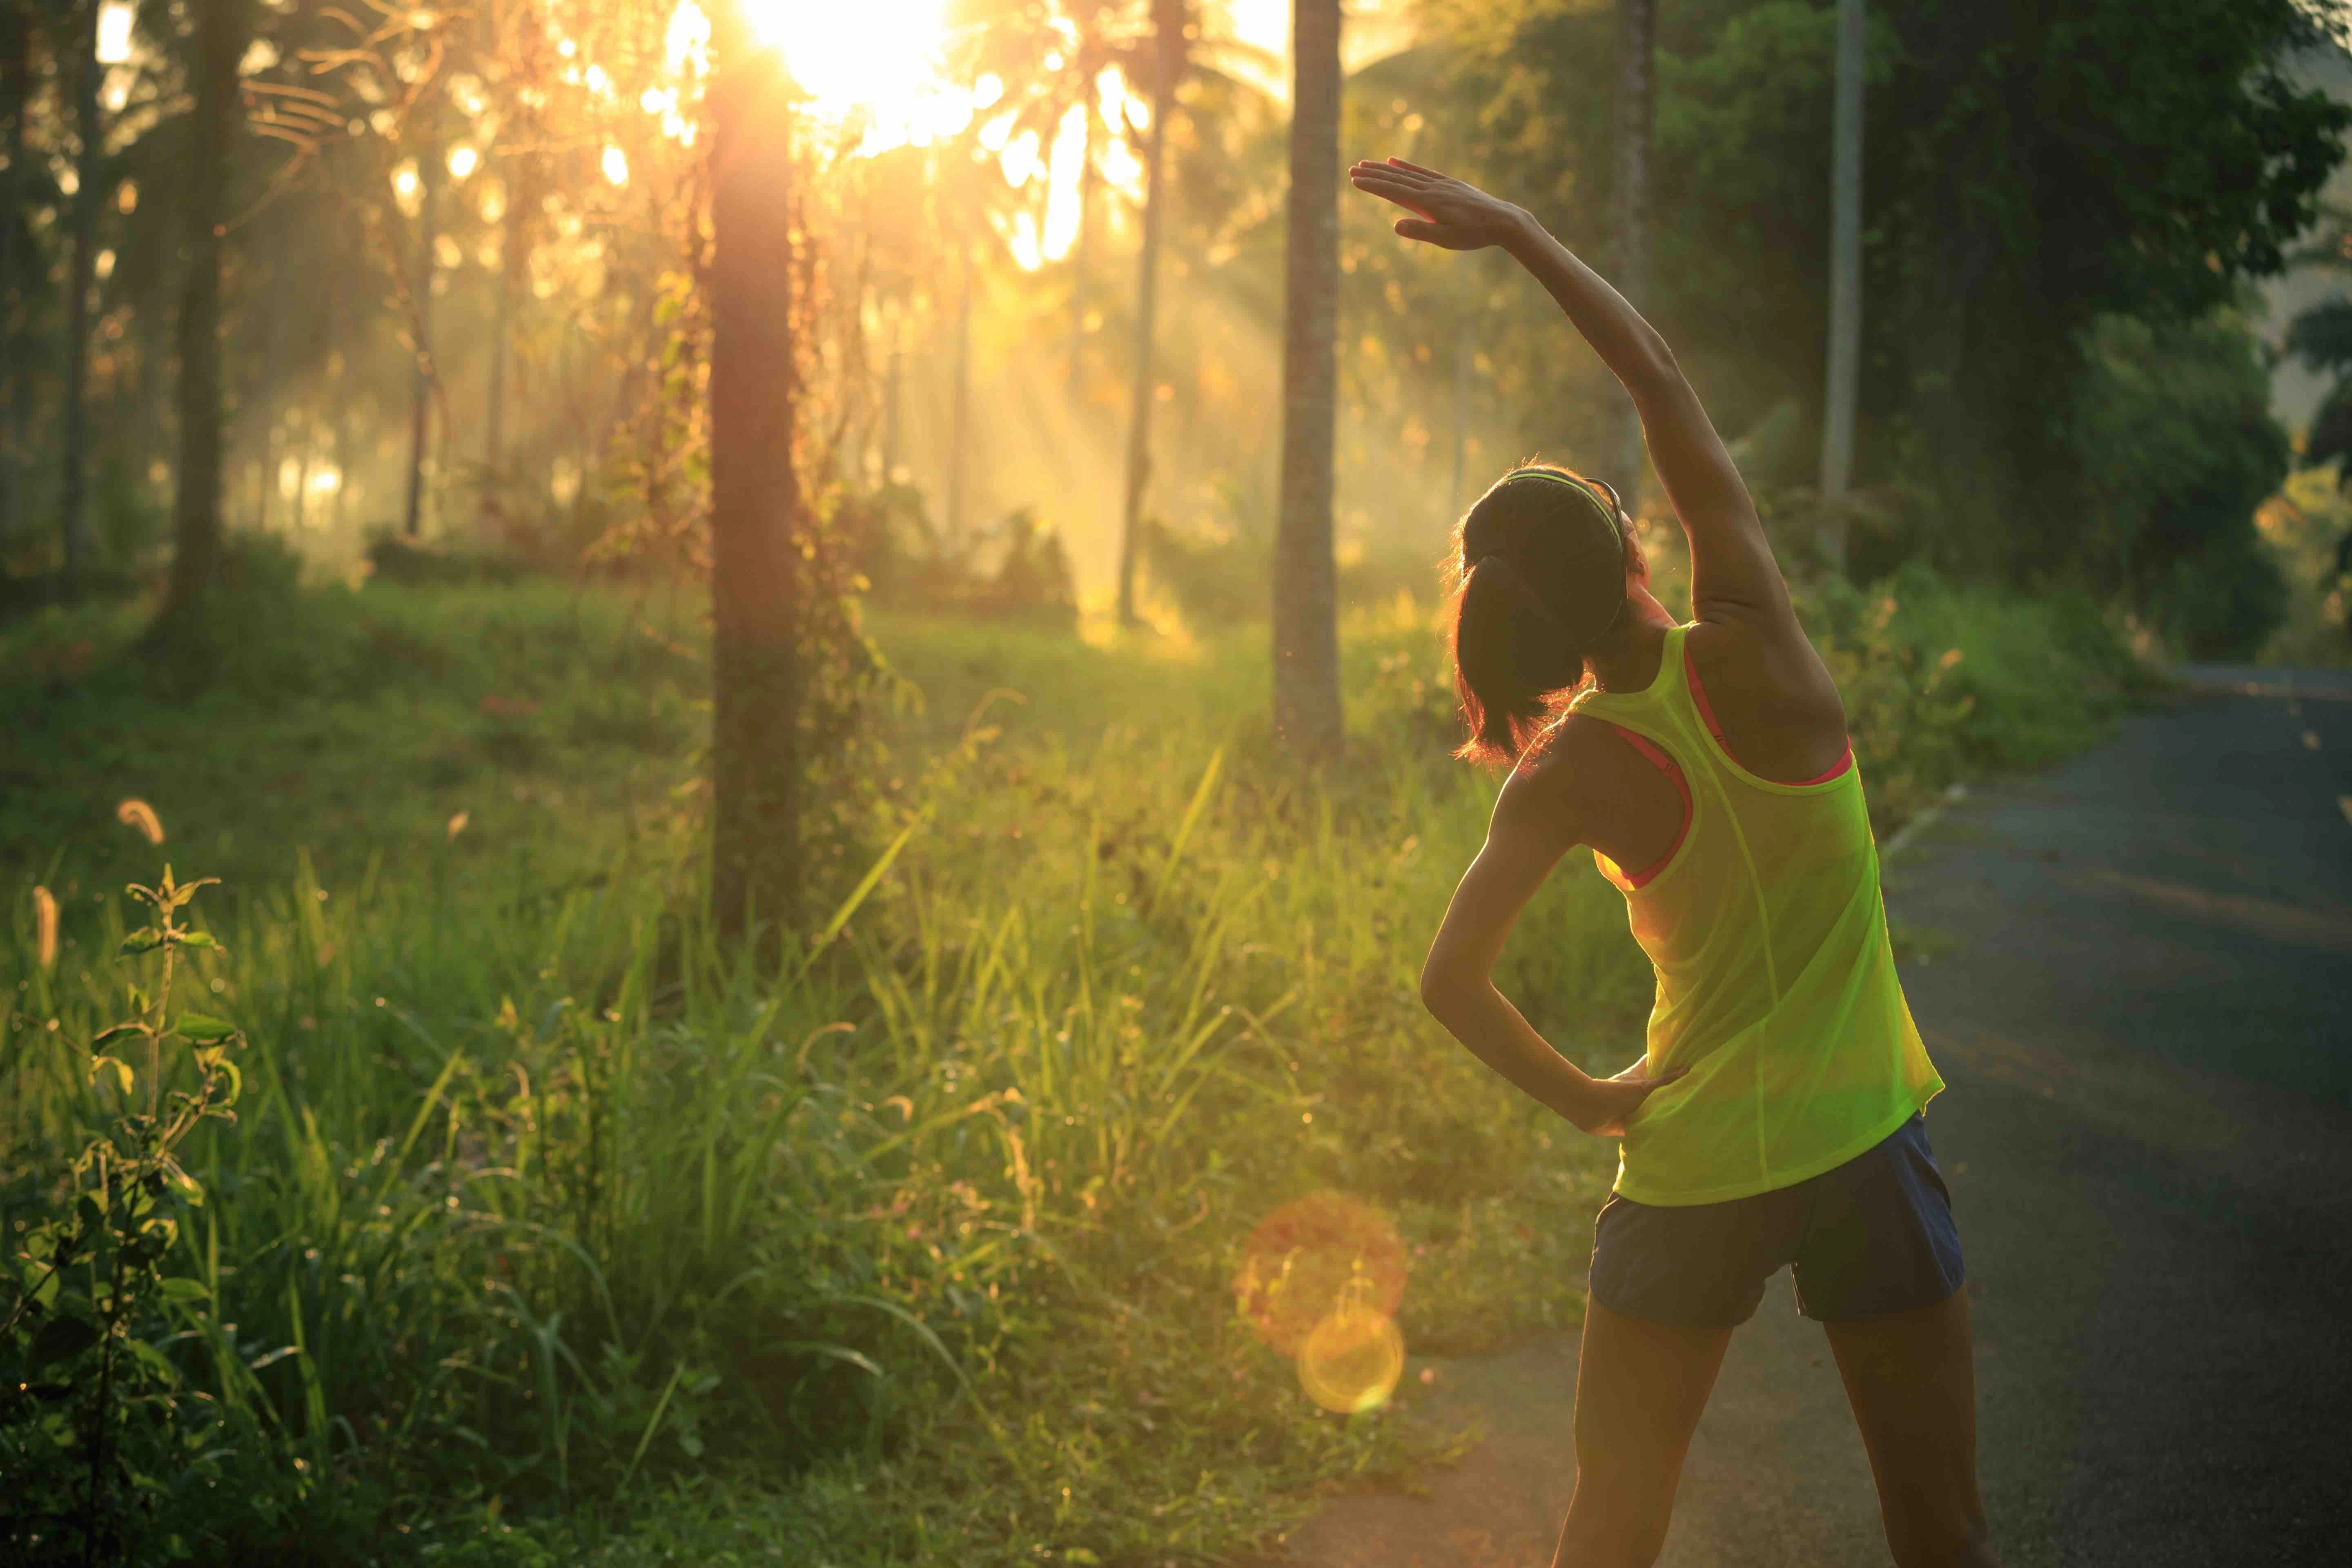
(1845, 371)
(1635, 91)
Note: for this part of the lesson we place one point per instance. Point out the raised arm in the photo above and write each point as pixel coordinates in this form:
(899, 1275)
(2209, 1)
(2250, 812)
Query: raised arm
(1733, 574)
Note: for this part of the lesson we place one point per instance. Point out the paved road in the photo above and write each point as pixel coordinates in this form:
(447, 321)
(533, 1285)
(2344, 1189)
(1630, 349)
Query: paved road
(2134, 972)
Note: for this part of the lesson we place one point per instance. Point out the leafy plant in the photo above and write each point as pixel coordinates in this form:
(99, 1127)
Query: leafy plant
(93, 1421)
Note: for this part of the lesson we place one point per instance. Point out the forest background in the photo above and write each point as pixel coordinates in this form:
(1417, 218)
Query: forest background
(559, 1222)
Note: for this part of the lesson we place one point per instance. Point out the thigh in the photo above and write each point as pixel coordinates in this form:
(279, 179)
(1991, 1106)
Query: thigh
(1911, 1378)
(1640, 1387)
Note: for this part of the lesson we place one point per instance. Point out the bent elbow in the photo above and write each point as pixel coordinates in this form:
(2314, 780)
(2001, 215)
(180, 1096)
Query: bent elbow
(1440, 988)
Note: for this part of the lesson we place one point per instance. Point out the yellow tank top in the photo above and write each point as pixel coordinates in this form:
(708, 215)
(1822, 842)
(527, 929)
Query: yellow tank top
(1776, 980)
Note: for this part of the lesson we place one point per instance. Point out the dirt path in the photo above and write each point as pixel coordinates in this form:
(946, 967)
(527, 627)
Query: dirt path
(2136, 981)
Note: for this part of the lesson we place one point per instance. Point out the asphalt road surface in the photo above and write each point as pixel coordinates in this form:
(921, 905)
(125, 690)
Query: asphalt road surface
(2134, 972)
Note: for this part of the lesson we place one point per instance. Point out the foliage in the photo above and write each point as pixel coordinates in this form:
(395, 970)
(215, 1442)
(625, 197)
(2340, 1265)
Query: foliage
(909, 563)
(110, 1438)
(2179, 448)
(581, 1214)
(2308, 525)
(2032, 170)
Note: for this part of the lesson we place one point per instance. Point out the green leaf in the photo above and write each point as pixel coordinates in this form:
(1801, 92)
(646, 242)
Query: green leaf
(121, 1070)
(178, 1288)
(117, 1032)
(190, 1188)
(200, 939)
(146, 938)
(203, 1028)
(63, 1337)
(156, 1360)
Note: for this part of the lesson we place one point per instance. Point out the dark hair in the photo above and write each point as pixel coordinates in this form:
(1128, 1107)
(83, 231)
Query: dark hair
(1540, 562)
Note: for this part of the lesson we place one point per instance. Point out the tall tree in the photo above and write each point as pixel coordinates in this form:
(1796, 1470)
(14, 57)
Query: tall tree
(1307, 711)
(1166, 61)
(1080, 245)
(420, 395)
(959, 402)
(72, 525)
(754, 492)
(221, 29)
(15, 92)
(1636, 80)
(1843, 379)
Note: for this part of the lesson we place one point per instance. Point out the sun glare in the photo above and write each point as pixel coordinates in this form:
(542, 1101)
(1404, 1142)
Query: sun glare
(878, 60)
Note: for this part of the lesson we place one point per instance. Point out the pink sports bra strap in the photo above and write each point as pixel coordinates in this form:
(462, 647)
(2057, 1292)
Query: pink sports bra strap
(1707, 712)
(1664, 765)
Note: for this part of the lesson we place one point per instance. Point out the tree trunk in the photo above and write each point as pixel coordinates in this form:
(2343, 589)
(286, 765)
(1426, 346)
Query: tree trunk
(1634, 93)
(420, 402)
(494, 397)
(1306, 593)
(1080, 247)
(754, 501)
(15, 91)
(220, 40)
(72, 525)
(1168, 66)
(1845, 368)
(959, 408)
(1465, 352)
(890, 398)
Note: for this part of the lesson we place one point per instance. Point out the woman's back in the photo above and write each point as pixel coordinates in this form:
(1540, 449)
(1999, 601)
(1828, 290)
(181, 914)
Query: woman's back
(1776, 984)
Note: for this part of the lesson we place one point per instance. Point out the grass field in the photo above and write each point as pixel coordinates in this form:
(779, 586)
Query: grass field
(549, 1232)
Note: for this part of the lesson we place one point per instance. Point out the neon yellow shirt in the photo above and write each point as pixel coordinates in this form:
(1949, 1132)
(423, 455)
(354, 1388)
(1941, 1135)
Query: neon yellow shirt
(1776, 980)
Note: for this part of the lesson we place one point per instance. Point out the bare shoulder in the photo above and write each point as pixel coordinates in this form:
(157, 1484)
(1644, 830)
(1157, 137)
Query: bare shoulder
(1765, 665)
(1554, 791)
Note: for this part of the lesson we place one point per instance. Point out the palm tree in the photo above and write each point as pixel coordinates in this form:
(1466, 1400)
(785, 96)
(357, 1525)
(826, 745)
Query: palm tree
(15, 91)
(221, 28)
(88, 164)
(420, 398)
(1306, 612)
(755, 498)
(1166, 61)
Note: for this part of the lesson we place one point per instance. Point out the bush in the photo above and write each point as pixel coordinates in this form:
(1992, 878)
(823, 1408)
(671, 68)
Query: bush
(2225, 601)
(908, 564)
(2179, 447)
(392, 559)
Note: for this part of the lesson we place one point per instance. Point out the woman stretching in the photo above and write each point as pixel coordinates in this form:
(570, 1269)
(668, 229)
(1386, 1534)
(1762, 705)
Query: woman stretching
(1775, 1120)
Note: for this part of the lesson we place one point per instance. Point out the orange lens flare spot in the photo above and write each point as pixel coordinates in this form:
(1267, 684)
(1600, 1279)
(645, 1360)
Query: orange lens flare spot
(1352, 1361)
(1303, 1256)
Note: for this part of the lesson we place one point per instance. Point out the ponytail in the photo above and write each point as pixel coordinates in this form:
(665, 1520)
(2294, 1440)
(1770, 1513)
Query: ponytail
(1544, 556)
(1510, 650)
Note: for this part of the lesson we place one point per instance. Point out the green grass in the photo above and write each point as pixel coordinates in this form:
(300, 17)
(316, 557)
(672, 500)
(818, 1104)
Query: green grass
(592, 1245)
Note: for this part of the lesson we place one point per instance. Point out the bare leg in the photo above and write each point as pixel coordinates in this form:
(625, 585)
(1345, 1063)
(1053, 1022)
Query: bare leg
(1912, 1380)
(1639, 1390)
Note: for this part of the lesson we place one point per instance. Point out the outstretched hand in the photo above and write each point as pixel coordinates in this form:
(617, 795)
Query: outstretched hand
(1453, 213)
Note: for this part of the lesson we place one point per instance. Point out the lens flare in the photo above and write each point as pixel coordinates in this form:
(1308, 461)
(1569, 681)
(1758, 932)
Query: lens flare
(1308, 1256)
(1354, 1359)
